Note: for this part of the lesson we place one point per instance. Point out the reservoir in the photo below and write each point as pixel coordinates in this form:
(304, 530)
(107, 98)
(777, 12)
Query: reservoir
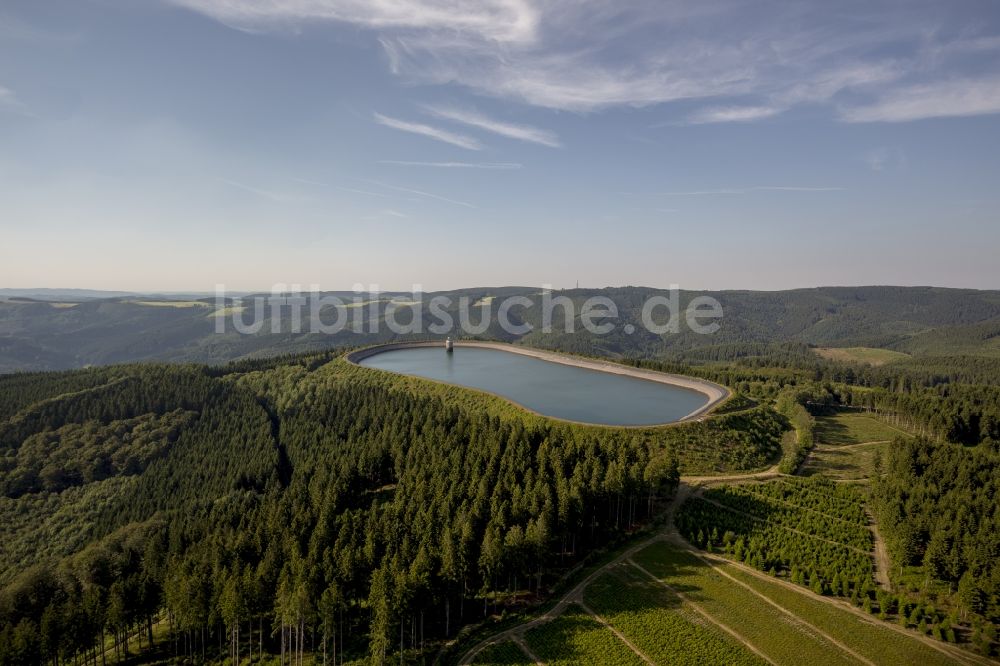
(556, 389)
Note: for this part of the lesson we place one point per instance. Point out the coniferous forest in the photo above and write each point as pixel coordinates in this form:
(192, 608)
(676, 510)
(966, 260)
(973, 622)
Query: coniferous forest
(302, 505)
(306, 504)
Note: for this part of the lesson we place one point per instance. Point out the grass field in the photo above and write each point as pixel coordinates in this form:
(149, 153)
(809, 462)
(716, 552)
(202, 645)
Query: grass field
(805, 627)
(778, 635)
(866, 355)
(361, 304)
(225, 312)
(668, 605)
(847, 445)
(576, 638)
(844, 463)
(658, 622)
(379, 301)
(852, 428)
(171, 304)
(869, 638)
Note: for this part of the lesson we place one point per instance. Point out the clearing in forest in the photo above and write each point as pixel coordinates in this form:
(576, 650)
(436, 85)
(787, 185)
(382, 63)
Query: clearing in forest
(866, 355)
(847, 445)
(847, 428)
(171, 304)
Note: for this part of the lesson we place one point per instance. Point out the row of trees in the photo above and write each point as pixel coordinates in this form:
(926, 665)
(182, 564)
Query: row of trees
(783, 529)
(936, 505)
(789, 404)
(959, 413)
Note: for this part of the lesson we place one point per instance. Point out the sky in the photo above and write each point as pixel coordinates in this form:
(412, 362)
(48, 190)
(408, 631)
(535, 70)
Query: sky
(180, 144)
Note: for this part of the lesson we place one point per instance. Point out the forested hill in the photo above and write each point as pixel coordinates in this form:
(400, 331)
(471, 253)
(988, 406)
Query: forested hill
(920, 321)
(307, 495)
(304, 501)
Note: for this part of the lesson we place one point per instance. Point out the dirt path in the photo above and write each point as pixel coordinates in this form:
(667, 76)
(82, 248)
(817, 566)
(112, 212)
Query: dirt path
(688, 486)
(841, 447)
(960, 655)
(521, 643)
(831, 448)
(575, 595)
(620, 635)
(880, 554)
(882, 562)
(705, 614)
(795, 618)
(769, 473)
(896, 428)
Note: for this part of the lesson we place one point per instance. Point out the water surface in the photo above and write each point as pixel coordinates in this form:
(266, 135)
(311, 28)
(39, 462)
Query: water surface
(552, 389)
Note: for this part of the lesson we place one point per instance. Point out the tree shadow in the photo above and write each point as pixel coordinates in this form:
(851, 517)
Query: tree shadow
(833, 432)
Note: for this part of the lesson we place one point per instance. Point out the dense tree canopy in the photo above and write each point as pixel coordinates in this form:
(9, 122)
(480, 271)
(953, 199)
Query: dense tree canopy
(301, 503)
(309, 502)
(937, 504)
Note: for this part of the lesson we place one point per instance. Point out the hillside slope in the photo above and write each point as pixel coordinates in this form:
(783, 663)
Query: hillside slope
(916, 320)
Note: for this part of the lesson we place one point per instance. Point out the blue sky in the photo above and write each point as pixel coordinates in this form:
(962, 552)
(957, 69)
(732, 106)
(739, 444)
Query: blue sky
(176, 144)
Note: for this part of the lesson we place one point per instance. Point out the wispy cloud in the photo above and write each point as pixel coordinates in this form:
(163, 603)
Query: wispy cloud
(7, 97)
(870, 61)
(877, 159)
(748, 190)
(343, 188)
(510, 130)
(10, 102)
(421, 193)
(729, 114)
(496, 20)
(554, 80)
(387, 213)
(700, 51)
(369, 193)
(882, 159)
(455, 165)
(417, 194)
(941, 99)
(276, 197)
(436, 133)
(307, 181)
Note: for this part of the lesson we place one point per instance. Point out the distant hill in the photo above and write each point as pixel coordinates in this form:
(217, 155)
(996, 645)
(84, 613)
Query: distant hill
(63, 329)
(60, 294)
(44, 294)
